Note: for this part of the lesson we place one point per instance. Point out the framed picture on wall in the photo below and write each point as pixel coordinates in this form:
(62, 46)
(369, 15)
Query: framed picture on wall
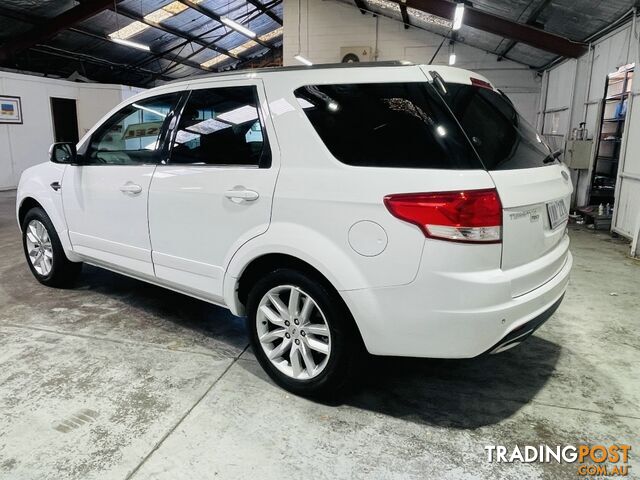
(10, 109)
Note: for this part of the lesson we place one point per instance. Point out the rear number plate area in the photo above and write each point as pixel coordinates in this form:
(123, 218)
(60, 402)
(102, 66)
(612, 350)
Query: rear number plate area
(558, 213)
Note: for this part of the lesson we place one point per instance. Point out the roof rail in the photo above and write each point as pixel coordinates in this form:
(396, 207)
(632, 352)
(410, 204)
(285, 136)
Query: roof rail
(293, 68)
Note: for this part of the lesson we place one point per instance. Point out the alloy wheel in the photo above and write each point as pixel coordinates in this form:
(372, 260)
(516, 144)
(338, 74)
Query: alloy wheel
(39, 247)
(293, 332)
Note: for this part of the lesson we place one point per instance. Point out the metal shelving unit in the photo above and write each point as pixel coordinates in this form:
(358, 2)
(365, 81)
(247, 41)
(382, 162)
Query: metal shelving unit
(612, 124)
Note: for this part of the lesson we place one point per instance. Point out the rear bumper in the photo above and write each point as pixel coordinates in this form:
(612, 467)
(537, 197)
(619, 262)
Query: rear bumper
(443, 315)
(520, 334)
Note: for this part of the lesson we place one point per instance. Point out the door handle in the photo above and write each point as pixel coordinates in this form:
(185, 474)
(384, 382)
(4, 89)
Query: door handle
(131, 188)
(241, 195)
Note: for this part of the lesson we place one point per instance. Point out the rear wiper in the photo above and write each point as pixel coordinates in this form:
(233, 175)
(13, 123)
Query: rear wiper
(552, 157)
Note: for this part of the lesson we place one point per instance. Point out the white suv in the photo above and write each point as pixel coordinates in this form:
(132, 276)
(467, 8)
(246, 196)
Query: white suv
(402, 209)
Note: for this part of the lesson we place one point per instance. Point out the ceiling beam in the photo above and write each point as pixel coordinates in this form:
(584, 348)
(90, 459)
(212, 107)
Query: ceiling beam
(214, 16)
(171, 58)
(266, 10)
(247, 17)
(47, 50)
(501, 26)
(175, 32)
(52, 27)
(405, 16)
(38, 20)
(532, 19)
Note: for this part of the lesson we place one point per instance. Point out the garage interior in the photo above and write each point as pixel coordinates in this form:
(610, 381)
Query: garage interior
(119, 379)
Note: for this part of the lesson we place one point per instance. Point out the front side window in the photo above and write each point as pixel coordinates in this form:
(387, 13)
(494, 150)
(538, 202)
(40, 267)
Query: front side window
(221, 126)
(401, 125)
(132, 136)
(503, 139)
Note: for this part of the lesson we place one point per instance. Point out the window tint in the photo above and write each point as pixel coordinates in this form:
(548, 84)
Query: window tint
(221, 126)
(502, 138)
(132, 136)
(387, 125)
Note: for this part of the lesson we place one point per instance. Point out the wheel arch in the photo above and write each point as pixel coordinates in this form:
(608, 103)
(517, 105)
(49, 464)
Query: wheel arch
(269, 262)
(27, 204)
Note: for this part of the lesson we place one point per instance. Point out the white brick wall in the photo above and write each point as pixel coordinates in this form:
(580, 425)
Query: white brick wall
(325, 26)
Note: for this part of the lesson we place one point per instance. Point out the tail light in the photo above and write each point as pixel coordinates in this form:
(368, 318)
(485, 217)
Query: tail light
(473, 216)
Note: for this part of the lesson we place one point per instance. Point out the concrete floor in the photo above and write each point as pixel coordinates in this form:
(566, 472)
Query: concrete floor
(117, 379)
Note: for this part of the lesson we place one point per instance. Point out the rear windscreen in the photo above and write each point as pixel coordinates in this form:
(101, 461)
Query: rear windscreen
(401, 125)
(502, 138)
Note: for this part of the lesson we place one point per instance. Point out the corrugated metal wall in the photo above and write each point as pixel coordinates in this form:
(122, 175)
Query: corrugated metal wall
(574, 94)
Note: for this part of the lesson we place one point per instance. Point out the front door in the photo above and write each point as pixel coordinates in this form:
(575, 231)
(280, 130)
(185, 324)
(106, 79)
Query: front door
(216, 190)
(105, 197)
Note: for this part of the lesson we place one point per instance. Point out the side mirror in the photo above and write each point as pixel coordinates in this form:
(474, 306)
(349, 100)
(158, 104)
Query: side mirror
(63, 152)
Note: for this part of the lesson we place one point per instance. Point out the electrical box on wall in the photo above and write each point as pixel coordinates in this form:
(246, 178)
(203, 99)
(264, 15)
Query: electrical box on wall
(577, 154)
(356, 54)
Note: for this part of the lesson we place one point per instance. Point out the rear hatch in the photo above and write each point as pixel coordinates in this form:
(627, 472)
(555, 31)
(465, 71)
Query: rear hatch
(534, 188)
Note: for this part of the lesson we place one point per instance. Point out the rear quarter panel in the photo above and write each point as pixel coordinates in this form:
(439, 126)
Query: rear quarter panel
(318, 199)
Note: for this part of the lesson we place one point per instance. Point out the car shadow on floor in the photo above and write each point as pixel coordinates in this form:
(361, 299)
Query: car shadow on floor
(462, 394)
(142, 308)
(177, 308)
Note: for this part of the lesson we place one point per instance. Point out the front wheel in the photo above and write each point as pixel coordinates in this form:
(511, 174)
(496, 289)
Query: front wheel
(302, 334)
(44, 252)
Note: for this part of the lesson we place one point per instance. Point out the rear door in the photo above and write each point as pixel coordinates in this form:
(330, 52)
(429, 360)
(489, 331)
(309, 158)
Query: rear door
(216, 190)
(534, 189)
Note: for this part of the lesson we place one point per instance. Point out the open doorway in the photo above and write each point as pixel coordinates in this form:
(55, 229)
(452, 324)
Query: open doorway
(65, 119)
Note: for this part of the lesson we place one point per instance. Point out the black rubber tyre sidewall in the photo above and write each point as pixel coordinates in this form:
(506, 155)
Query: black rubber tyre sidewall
(63, 272)
(346, 348)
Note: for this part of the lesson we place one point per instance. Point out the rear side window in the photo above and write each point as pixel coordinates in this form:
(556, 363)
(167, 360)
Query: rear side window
(401, 125)
(221, 126)
(502, 138)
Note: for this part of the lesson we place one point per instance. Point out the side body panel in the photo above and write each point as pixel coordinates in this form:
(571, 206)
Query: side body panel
(194, 226)
(105, 223)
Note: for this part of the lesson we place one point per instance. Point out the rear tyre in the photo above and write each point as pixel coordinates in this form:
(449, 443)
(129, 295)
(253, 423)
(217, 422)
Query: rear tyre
(303, 335)
(44, 252)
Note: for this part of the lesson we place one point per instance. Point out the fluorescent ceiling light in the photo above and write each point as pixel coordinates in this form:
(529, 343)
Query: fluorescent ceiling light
(457, 17)
(129, 43)
(301, 59)
(239, 115)
(240, 28)
(452, 59)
